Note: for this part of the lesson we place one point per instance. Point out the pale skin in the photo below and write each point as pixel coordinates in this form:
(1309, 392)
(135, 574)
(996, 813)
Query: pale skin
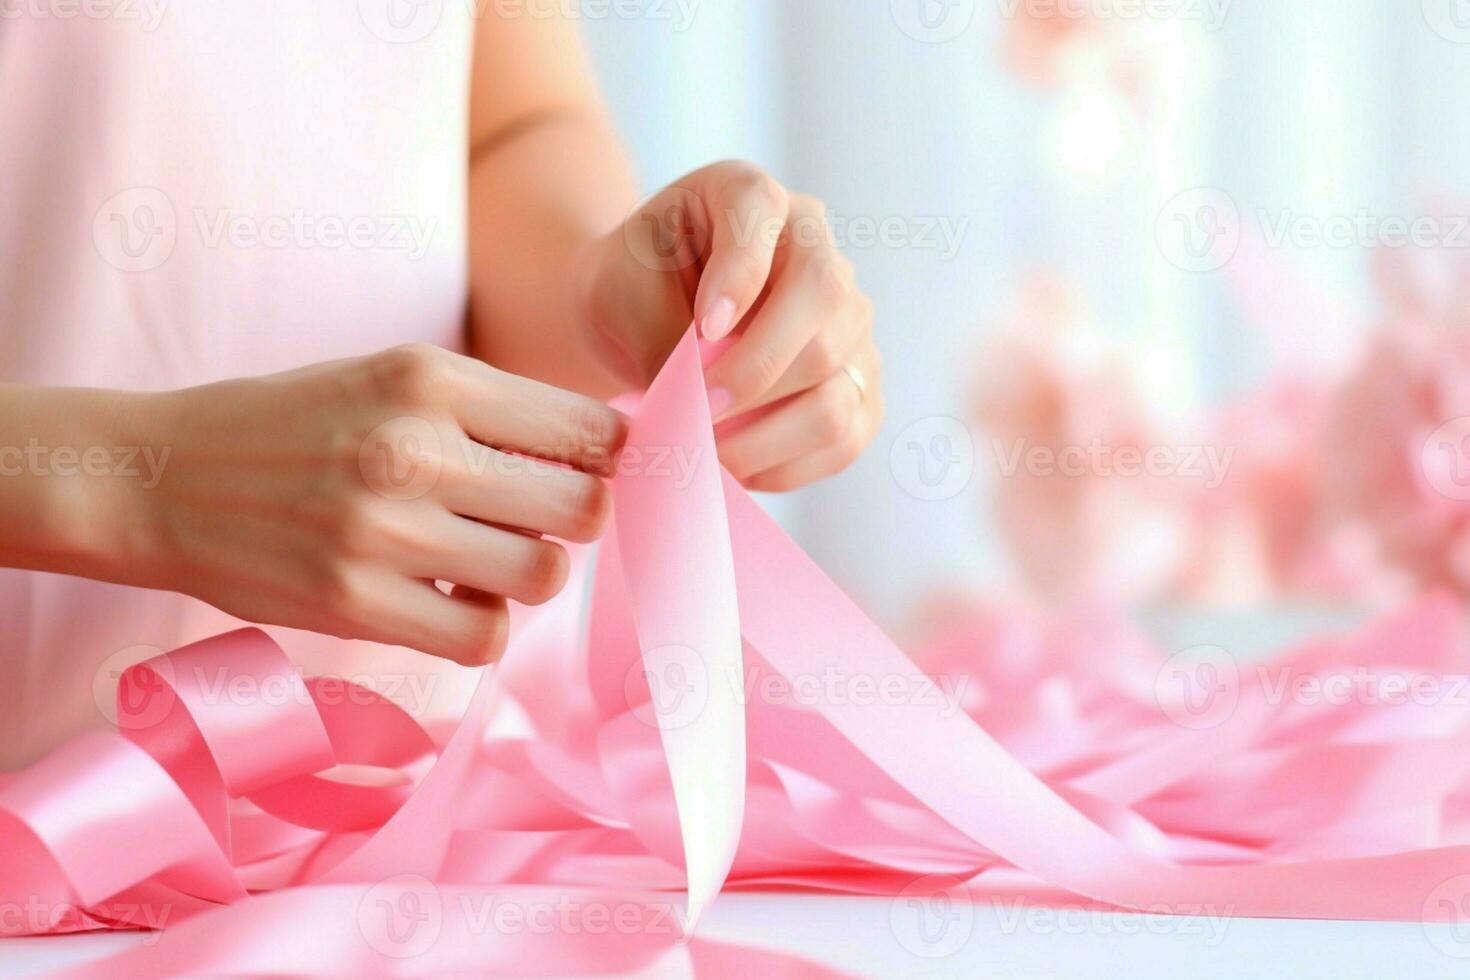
(578, 293)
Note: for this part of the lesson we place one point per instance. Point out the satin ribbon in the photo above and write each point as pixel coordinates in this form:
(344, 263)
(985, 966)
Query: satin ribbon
(268, 822)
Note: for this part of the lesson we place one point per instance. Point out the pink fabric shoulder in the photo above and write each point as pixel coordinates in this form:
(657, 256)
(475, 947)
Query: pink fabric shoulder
(203, 190)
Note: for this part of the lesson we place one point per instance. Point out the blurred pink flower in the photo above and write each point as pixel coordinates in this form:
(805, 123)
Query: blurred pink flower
(1045, 388)
(1037, 42)
(1054, 44)
(1348, 486)
(1395, 441)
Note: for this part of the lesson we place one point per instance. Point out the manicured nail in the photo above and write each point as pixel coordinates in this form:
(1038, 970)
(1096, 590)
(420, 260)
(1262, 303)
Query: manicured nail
(720, 319)
(720, 401)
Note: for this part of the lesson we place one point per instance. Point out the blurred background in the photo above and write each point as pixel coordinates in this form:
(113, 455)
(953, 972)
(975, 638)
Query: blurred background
(1168, 290)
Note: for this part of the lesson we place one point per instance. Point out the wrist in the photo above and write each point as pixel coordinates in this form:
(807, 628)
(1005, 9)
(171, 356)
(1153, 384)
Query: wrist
(82, 478)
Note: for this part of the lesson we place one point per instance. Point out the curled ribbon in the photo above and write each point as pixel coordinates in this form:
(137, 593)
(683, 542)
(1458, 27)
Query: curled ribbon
(322, 828)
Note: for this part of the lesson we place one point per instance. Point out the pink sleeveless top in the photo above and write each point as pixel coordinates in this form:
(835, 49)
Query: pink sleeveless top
(194, 191)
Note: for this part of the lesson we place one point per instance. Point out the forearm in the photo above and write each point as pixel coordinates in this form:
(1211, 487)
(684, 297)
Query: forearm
(538, 195)
(73, 465)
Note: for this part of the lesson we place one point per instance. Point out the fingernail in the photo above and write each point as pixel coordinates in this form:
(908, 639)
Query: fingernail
(719, 320)
(720, 401)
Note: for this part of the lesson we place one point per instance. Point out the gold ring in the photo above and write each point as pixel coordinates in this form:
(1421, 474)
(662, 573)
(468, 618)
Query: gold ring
(857, 378)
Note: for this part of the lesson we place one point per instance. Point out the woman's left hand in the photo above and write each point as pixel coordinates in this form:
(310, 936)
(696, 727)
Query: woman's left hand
(730, 249)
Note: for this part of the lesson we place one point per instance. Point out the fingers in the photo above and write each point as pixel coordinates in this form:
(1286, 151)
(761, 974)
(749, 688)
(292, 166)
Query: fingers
(807, 328)
(811, 422)
(468, 628)
(810, 437)
(509, 412)
(528, 569)
(499, 409)
(747, 209)
(514, 491)
(809, 469)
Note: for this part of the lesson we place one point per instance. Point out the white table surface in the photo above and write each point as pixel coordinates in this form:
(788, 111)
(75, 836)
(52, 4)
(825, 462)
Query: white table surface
(877, 937)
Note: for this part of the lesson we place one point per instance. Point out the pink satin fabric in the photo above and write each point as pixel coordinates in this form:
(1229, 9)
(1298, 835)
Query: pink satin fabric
(1280, 809)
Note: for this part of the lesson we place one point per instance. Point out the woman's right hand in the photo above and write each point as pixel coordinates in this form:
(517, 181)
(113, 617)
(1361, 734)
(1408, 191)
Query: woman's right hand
(333, 498)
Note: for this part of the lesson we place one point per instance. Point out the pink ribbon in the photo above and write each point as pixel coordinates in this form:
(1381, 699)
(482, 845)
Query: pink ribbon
(268, 822)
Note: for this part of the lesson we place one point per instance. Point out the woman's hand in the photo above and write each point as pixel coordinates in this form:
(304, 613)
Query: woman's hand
(332, 498)
(731, 249)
